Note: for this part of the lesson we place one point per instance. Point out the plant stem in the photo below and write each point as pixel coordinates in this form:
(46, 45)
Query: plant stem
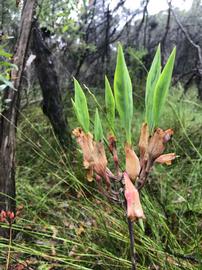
(132, 244)
(9, 247)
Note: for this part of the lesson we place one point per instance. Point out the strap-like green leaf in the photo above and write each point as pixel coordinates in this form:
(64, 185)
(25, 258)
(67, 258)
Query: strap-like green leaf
(98, 132)
(75, 109)
(162, 87)
(123, 93)
(110, 105)
(152, 78)
(81, 107)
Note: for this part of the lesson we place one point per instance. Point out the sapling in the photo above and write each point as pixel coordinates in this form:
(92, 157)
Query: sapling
(152, 141)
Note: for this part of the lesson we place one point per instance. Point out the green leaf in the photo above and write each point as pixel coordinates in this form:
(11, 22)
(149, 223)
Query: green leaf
(6, 82)
(3, 86)
(110, 105)
(65, 28)
(98, 132)
(152, 78)
(75, 109)
(4, 53)
(7, 64)
(162, 87)
(81, 107)
(123, 93)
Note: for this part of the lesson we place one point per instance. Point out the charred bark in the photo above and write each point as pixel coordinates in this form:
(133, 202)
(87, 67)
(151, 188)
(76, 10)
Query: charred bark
(8, 117)
(52, 100)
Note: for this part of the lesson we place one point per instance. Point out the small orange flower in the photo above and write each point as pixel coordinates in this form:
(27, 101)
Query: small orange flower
(85, 140)
(134, 207)
(157, 143)
(7, 216)
(166, 158)
(3, 216)
(94, 158)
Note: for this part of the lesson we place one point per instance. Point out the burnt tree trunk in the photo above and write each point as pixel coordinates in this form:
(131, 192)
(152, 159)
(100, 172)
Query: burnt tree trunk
(52, 100)
(8, 117)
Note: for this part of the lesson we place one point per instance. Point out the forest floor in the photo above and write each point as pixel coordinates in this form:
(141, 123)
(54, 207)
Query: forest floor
(64, 223)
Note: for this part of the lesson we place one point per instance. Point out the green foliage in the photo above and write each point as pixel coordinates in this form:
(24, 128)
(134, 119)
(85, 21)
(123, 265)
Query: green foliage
(81, 107)
(157, 88)
(162, 86)
(4, 53)
(5, 69)
(123, 93)
(5, 83)
(152, 78)
(110, 105)
(52, 11)
(136, 57)
(98, 132)
(156, 92)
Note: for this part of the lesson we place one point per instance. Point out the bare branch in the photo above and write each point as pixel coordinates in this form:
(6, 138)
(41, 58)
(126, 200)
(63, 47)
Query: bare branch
(189, 39)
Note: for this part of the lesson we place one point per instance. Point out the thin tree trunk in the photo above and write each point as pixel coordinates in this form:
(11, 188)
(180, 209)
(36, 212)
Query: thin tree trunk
(106, 56)
(2, 16)
(163, 41)
(8, 117)
(52, 100)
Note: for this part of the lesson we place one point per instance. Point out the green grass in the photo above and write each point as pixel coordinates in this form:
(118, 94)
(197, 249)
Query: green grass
(64, 223)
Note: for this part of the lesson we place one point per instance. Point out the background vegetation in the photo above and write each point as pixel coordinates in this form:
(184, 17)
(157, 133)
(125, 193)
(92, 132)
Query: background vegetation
(63, 222)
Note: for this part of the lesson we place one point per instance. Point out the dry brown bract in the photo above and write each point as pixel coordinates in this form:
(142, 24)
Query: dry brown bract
(166, 159)
(157, 144)
(94, 158)
(132, 163)
(143, 142)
